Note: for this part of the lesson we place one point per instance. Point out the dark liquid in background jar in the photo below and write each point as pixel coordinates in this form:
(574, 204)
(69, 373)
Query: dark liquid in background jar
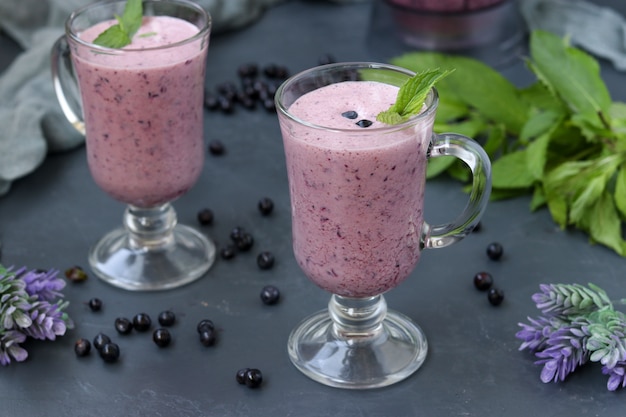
(445, 6)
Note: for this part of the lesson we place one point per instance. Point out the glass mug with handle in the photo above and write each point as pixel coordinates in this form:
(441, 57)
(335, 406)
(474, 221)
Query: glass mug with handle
(141, 110)
(357, 200)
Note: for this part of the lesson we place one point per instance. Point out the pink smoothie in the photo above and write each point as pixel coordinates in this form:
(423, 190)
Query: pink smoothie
(143, 111)
(356, 193)
(446, 6)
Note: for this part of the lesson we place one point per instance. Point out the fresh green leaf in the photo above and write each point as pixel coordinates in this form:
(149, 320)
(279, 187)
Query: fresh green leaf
(620, 190)
(438, 165)
(605, 225)
(511, 171)
(411, 96)
(121, 34)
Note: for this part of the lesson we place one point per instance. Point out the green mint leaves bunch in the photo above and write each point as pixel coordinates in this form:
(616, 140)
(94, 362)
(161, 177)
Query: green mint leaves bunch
(561, 138)
(121, 34)
(579, 325)
(411, 96)
(31, 306)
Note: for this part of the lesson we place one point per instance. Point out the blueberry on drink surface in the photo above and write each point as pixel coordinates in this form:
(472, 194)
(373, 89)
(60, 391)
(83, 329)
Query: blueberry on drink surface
(350, 114)
(364, 123)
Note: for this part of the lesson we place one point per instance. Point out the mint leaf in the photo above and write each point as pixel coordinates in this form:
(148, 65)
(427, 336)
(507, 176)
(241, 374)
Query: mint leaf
(411, 96)
(121, 34)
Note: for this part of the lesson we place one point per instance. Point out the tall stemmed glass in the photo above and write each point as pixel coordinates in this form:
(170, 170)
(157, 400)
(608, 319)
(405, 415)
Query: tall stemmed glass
(141, 110)
(357, 199)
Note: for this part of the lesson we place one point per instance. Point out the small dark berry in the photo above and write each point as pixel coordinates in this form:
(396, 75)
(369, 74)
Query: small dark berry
(100, 340)
(269, 105)
(82, 347)
(76, 274)
(205, 217)
(245, 242)
(228, 252)
(162, 337)
(216, 147)
(225, 104)
(123, 325)
(495, 251)
(350, 114)
(270, 70)
(205, 324)
(483, 281)
(248, 102)
(167, 318)
(253, 378)
(241, 375)
(270, 295)
(110, 352)
(477, 227)
(265, 260)
(266, 205)
(95, 304)
(207, 336)
(364, 123)
(142, 322)
(237, 233)
(210, 101)
(495, 296)
(227, 89)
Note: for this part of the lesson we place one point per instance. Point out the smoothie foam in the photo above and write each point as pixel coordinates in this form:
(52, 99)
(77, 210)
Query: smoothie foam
(143, 111)
(357, 193)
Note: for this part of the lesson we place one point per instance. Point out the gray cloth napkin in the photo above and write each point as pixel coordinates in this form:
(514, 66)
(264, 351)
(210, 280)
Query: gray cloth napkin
(32, 123)
(599, 30)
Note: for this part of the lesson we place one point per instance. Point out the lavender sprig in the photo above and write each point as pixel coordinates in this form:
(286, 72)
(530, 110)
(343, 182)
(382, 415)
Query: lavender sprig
(579, 325)
(31, 305)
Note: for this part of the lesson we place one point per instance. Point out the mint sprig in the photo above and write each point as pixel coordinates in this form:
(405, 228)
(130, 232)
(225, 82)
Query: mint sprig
(411, 96)
(121, 34)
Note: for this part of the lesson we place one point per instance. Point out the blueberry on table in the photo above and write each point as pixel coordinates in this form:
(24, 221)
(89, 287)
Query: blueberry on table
(162, 337)
(76, 274)
(495, 296)
(95, 304)
(123, 325)
(245, 242)
(208, 336)
(253, 378)
(142, 322)
(228, 252)
(110, 352)
(495, 251)
(483, 281)
(266, 205)
(265, 260)
(82, 347)
(205, 324)
(270, 295)
(100, 340)
(216, 147)
(240, 377)
(205, 217)
(167, 318)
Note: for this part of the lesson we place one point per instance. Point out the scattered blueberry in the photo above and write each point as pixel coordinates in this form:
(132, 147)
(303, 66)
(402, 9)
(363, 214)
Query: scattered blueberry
(207, 336)
(253, 378)
(266, 205)
(82, 347)
(205, 324)
(495, 251)
(167, 318)
(123, 325)
(495, 296)
(483, 281)
(162, 337)
(265, 260)
(228, 252)
(142, 322)
(270, 295)
(249, 70)
(477, 227)
(350, 114)
(95, 304)
(110, 352)
(364, 123)
(205, 216)
(245, 242)
(210, 101)
(216, 147)
(76, 274)
(100, 340)
(241, 375)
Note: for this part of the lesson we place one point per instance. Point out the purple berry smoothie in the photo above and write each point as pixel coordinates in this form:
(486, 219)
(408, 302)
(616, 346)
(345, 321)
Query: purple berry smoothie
(446, 6)
(356, 193)
(143, 111)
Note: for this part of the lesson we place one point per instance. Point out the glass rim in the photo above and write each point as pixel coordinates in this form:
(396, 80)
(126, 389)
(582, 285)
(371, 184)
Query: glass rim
(431, 107)
(73, 35)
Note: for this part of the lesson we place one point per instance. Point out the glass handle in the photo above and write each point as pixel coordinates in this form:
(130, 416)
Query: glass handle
(470, 152)
(65, 84)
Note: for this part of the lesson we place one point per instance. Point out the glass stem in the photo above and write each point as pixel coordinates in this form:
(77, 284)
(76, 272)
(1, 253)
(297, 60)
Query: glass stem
(150, 228)
(357, 318)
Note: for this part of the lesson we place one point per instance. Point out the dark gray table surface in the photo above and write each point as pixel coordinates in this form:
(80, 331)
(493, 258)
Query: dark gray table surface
(51, 217)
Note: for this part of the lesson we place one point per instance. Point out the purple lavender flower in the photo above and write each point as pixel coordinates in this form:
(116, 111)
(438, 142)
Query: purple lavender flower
(536, 334)
(43, 284)
(48, 320)
(617, 376)
(10, 347)
(564, 350)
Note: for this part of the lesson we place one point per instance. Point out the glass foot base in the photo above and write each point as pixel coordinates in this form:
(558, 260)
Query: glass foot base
(183, 258)
(358, 361)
